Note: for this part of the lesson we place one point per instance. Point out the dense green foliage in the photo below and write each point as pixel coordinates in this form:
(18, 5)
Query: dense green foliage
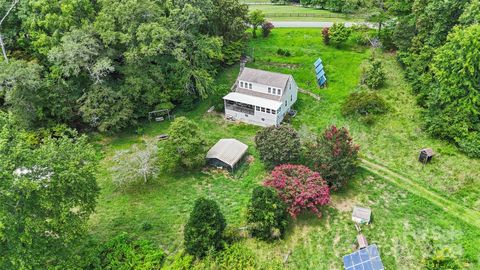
(338, 34)
(345, 6)
(48, 192)
(365, 105)
(124, 253)
(204, 229)
(105, 64)
(334, 155)
(278, 145)
(267, 214)
(184, 149)
(454, 102)
(444, 85)
(373, 75)
(256, 19)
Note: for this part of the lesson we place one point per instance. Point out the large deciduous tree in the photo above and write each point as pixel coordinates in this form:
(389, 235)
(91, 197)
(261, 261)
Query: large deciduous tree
(300, 188)
(47, 194)
(184, 149)
(454, 100)
(278, 145)
(334, 155)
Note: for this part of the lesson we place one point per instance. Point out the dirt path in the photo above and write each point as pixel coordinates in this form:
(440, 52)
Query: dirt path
(467, 215)
(317, 97)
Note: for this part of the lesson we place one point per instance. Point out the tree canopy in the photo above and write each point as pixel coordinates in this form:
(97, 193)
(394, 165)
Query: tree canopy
(105, 64)
(48, 192)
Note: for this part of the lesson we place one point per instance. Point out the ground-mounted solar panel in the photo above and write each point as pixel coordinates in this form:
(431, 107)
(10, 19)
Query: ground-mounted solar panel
(364, 259)
(320, 73)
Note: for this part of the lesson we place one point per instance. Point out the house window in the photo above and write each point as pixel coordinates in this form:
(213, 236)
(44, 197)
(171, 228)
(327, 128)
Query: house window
(279, 92)
(291, 97)
(268, 110)
(246, 115)
(274, 112)
(286, 103)
(263, 119)
(257, 108)
(250, 86)
(263, 109)
(241, 84)
(270, 90)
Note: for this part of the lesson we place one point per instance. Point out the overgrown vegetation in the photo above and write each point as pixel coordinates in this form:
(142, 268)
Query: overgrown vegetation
(365, 105)
(373, 75)
(123, 252)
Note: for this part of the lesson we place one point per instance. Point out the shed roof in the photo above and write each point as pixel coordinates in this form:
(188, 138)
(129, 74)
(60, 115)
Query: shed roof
(264, 77)
(229, 151)
(252, 100)
(428, 151)
(362, 213)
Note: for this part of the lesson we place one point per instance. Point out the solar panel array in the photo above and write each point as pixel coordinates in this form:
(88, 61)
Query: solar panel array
(320, 72)
(364, 259)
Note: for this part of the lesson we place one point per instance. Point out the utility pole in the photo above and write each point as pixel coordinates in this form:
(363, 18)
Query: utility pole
(15, 2)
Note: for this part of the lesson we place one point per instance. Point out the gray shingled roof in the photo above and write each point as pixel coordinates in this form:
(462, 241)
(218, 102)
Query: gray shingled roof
(229, 151)
(264, 77)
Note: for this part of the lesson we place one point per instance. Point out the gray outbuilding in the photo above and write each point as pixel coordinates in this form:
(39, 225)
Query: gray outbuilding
(227, 153)
(361, 215)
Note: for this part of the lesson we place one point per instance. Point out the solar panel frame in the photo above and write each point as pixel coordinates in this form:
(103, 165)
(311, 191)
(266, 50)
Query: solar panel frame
(320, 72)
(364, 259)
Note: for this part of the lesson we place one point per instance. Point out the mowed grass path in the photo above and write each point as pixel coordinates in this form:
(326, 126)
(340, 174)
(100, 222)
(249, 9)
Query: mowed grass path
(404, 223)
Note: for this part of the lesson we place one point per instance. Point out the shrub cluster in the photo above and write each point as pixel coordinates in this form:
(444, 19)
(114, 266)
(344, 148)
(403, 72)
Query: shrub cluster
(326, 35)
(300, 188)
(278, 145)
(374, 75)
(267, 214)
(339, 33)
(124, 252)
(284, 52)
(364, 104)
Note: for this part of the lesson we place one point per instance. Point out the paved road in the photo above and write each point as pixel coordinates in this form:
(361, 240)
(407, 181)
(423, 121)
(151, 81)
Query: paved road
(299, 24)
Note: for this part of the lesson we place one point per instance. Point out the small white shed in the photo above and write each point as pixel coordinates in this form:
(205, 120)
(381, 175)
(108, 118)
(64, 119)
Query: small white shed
(361, 215)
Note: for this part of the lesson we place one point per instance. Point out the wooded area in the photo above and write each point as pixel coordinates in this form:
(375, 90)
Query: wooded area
(106, 64)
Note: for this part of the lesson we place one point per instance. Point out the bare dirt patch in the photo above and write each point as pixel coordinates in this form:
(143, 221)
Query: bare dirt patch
(344, 205)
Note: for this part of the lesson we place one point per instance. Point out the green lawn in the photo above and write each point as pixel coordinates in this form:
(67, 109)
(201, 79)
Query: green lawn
(403, 223)
(299, 13)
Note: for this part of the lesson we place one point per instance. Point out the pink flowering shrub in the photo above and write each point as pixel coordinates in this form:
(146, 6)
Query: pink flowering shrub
(299, 187)
(334, 155)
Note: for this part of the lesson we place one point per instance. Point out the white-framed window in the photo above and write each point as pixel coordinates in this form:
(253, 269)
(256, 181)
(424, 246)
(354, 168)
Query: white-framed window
(286, 103)
(250, 86)
(241, 84)
(274, 112)
(257, 108)
(268, 110)
(270, 90)
(279, 92)
(263, 109)
(291, 97)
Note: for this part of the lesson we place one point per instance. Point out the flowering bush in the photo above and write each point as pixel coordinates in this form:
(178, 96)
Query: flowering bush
(334, 155)
(299, 187)
(326, 35)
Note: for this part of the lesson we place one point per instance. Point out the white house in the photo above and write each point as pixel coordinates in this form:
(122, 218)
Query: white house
(261, 97)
